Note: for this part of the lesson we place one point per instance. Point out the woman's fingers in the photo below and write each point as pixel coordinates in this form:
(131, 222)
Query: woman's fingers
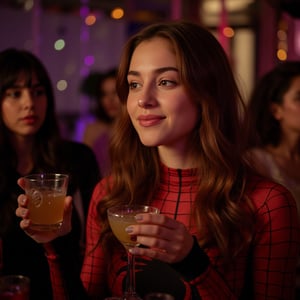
(21, 182)
(22, 210)
(165, 238)
(43, 236)
(67, 222)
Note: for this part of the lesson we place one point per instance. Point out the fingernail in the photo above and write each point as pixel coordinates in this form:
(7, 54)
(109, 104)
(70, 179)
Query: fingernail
(23, 199)
(132, 251)
(26, 222)
(23, 213)
(129, 229)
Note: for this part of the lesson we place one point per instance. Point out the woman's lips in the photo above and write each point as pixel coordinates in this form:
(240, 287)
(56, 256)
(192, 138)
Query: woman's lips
(150, 120)
(29, 119)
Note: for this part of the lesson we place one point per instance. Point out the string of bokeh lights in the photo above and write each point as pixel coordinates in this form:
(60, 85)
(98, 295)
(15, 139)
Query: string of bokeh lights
(89, 19)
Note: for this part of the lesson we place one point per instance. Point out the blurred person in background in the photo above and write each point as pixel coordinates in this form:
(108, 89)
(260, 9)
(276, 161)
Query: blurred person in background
(30, 142)
(274, 109)
(102, 89)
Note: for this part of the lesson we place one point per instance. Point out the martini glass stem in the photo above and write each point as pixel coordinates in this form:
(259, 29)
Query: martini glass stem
(130, 284)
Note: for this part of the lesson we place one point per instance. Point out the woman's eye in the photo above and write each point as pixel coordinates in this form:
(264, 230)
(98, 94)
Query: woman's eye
(133, 85)
(13, 94)
(167, 83)
(38, 92)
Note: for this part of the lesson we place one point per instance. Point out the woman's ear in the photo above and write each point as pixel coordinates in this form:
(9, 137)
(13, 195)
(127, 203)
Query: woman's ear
(275, 110)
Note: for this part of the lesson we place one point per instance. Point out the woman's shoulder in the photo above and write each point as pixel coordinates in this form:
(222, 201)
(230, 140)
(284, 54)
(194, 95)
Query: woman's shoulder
(257, 182)
(101, 189)
(265, 192)
(260, 153)
(262, 159)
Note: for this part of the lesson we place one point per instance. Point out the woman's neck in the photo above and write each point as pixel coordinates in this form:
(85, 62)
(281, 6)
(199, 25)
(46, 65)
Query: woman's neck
(176, 159)
(23, 147)
(287, 157)
(288, 149)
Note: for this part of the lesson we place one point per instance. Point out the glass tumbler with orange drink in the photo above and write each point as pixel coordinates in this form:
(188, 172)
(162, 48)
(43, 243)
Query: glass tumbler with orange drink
(46, 193)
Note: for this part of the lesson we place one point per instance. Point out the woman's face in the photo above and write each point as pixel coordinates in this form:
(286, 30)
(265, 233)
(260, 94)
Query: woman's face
(288, 112)
(109, 99)
(24, 108)
(158, 104)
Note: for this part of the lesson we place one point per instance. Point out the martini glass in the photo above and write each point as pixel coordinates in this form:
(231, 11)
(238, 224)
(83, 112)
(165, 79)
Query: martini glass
(119, 218)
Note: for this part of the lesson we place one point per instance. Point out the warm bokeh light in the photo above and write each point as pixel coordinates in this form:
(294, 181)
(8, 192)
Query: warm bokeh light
(117, 13)
(281, 54)
(62, 85)
(282, 43)
(90, 20)
(228, 32)
(281, 34)
(28, 5)
(59, 44)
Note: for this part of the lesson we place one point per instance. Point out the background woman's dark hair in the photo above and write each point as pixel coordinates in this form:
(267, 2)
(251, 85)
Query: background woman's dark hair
(91, 86)
(270, 89)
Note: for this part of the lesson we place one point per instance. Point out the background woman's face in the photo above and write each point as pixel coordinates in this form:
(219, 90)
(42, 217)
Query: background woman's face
(24, 108)
(288, 112)
(109, 98)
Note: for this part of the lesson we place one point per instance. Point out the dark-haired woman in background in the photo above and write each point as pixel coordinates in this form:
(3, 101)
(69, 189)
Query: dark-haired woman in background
(274, 109)
(97, 133)
(30, 142)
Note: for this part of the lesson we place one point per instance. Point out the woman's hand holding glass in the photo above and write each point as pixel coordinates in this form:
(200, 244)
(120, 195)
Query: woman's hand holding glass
(23, 212)
(167, 239)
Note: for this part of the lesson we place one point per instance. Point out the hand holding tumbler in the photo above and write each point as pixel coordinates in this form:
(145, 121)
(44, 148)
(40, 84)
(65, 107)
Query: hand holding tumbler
(46, 193)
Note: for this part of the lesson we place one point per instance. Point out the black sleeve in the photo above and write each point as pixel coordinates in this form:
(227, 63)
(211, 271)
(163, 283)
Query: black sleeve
(89, 176)
(84, 171)
(194, 264)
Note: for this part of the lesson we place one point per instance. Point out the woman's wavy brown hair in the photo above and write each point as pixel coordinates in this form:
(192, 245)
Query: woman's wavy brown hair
(221, 210)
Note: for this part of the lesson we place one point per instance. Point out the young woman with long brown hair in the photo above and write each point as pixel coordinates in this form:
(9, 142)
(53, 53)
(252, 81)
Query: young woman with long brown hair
(223, 232)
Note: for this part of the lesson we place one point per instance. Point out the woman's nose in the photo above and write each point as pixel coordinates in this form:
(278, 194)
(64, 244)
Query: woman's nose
(147, 100)
(27, 98)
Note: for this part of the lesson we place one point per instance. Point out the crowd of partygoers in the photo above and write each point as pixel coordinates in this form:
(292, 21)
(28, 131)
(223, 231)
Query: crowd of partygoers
(172, 132)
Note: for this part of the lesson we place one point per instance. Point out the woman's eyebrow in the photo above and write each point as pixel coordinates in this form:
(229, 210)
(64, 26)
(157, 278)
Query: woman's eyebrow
(156, 71)
(38, 84)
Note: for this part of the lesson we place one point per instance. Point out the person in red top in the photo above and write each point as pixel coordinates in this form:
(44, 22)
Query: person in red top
(223, 231)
